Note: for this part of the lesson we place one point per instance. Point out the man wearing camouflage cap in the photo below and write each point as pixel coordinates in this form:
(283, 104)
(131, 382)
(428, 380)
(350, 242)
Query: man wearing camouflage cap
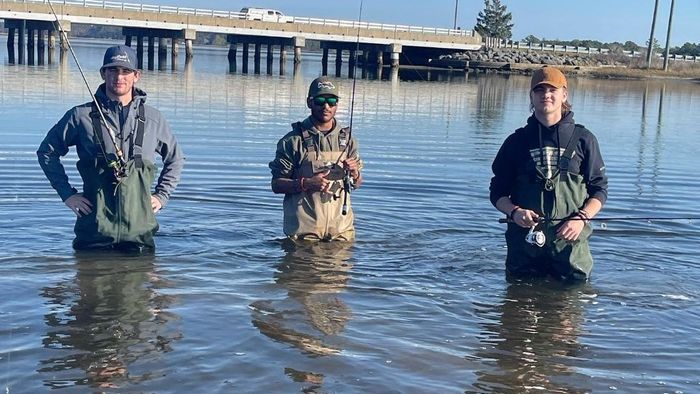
(116, 208)
(316, 166)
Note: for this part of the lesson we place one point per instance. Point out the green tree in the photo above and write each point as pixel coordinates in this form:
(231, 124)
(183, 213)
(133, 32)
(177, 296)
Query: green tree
(656, 48)
(688, 49)
(631, 46)
(532, 39)
(494, 20)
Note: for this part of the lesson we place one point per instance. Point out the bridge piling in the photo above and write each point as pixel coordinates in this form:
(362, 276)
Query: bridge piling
(189, 53)
(299, 43)
(270, 58)
(41, 47)
(232, 49)
(338, 61)
(365, 62)
(21, 41)
(245, 57)
(283, 59)
(351, 63)
(151, 52)
(324, 61)
(175, 53)
(139, 51)
(11, 45)
(162, 54)
(30, 47)
(256, 58)
(52, 45)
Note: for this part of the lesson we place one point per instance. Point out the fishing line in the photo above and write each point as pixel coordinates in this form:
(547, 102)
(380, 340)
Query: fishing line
(111, 133)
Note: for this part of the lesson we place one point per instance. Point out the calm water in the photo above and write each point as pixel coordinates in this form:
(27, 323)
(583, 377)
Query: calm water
(417, 304)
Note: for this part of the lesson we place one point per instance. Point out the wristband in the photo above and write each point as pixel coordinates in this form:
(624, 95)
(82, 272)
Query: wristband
(584, 215)
(510, 216)
(301, 184)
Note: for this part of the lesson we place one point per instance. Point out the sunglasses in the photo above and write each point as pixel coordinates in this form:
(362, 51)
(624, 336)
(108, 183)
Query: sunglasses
(331, 101)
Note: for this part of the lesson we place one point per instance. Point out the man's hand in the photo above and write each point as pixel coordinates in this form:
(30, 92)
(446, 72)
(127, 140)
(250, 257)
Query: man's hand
(80, 205)
(525, 217)
(351, 165)
(318, 182)
(570, 230)
(155, 204)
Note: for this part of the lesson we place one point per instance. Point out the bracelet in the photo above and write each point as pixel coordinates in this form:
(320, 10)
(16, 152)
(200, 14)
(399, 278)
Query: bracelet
(301, 184)
(584, 215)
(510, 216)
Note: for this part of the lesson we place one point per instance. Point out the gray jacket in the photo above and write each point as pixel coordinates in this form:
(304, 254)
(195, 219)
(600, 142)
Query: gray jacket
(76, 129)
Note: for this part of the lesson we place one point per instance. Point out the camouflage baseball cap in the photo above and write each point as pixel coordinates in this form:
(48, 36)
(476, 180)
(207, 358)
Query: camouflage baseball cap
(323, 86)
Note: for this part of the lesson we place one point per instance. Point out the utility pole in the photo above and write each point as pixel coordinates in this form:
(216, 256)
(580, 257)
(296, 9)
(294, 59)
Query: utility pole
(668, 36)
(650, 47)
(457, 5)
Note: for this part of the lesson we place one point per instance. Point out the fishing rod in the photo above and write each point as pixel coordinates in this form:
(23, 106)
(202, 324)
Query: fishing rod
(117, 167)
(620, 218)
(347, 179)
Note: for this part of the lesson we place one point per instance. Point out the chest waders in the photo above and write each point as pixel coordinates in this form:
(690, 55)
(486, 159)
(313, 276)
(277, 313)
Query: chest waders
(121, 208)
(558, 196)
(318, 216)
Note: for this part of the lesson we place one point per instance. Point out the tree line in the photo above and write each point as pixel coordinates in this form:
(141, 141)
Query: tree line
(495, 21)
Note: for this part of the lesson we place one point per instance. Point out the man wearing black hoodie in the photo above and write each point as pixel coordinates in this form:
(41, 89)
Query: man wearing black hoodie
(549, 179)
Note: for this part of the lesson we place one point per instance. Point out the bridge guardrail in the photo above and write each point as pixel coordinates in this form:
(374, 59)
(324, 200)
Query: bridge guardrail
(138, 7)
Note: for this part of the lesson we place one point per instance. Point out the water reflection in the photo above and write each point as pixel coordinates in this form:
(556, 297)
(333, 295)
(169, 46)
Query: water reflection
(531, 348)
(103, 321)
(312, 313)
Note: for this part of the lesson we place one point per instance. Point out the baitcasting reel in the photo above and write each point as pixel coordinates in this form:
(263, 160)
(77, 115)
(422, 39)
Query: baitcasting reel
(536, 238)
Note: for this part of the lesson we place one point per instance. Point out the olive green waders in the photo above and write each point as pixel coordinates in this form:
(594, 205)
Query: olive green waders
(121, 205)
(559, 196)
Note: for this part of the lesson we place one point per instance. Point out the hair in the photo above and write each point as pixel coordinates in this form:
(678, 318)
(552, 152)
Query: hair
(566, 106)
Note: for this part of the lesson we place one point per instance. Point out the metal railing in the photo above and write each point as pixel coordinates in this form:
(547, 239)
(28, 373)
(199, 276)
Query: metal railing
(113, 5)
(507, 44)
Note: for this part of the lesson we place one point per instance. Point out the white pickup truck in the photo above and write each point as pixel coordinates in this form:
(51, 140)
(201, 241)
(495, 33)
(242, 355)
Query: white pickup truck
(264, 14)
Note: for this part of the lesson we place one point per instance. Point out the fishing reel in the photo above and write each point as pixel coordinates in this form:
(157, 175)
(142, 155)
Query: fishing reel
(118, 169)
(536, 238)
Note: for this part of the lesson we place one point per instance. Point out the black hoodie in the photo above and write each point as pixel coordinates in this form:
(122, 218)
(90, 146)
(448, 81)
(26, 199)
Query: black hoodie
(524, 145)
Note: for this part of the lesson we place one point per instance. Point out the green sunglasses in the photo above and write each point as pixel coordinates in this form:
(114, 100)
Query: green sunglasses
(331, 101)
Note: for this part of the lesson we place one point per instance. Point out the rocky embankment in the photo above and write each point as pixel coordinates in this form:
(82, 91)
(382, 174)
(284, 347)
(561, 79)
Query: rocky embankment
(524, 56)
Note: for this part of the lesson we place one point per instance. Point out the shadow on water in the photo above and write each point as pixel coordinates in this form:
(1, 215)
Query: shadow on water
(105, 320)
(530, 338)
(312, 314)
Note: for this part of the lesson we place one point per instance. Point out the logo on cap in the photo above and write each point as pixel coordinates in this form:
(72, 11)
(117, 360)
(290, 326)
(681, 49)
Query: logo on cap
(122, 57)
(325, 85)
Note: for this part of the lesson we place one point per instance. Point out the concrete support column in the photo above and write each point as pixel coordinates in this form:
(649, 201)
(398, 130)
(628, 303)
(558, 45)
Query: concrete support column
(162, 53)
(151, 52)
(352, 62)
(283, 59)
(127, 40)
(40, 47)
(189, 52)
(139, 51)
(30, 46)
(256, 58)
(365, 62)
(11, 45)
(52, 46)
(338, 61)
(232, 49)
(270, 58)
(245, 57)
(21, 42)
(175, 53)
(395, 54)
(324, 62)
(299, 42)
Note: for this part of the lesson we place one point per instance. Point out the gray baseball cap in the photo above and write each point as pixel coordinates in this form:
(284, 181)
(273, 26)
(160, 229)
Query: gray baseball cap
(120, 56)
(323, 86)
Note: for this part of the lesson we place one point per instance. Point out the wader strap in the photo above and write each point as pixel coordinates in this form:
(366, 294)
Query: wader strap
(570, 147)
(138, 143)
(343, 137)
(97, 129)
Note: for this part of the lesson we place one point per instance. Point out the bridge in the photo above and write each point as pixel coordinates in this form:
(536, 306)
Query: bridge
(32, 23)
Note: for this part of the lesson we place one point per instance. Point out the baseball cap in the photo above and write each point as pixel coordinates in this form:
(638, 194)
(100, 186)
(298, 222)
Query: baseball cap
(321, 86)
(120, 56)
(548, 75)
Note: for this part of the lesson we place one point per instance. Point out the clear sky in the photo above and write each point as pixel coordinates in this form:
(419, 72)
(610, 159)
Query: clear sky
(602, 20)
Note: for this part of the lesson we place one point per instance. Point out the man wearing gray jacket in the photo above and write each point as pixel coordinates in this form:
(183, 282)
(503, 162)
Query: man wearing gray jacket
(116, 145)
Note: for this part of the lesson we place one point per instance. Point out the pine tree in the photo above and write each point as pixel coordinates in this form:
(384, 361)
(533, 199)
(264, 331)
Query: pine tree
(494, 20)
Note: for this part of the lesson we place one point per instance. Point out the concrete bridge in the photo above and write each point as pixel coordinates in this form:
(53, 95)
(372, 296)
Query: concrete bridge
(32, 23)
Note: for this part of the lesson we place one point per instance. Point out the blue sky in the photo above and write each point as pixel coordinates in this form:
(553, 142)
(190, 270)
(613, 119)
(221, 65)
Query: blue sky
(603, 20)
